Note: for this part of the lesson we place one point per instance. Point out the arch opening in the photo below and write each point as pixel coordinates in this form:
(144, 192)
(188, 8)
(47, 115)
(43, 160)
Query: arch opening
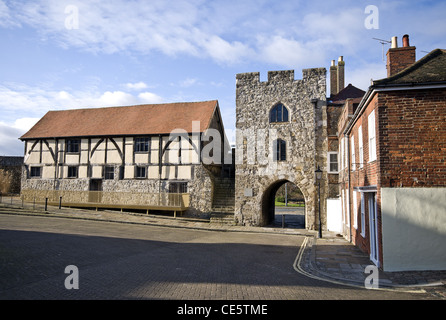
(283, 205)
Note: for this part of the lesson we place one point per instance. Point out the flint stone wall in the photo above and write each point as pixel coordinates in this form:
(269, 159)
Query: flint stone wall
(122, 191)
(305, 135)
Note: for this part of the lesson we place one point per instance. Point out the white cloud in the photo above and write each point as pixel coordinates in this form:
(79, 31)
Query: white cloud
(6, 20)
(117, 98)
(290, 52)
(136, 86)
(22, 106)
(9, 143)
(188, 82)
(150, 98)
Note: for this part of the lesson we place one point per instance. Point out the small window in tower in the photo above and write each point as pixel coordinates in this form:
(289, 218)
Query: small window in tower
(279, 113)
(279, 150)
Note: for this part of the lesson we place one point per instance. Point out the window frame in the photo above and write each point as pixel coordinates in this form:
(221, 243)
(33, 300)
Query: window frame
(329, 162)
(362, 214)
(107, 174)
(180, 186)
(33, 175)
(371, 121)
(76, 173)
(355, 209)
(360, 147)
(73, 145)
(279, 149)
(274, 113)
(353, 160)
(137, 169)
(141, 141)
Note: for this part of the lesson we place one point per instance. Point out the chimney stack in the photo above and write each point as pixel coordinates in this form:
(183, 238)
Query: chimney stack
(399, 58)
(337, 76)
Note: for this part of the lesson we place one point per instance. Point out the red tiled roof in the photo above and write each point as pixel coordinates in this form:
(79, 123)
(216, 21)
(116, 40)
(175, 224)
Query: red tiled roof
(117, 121)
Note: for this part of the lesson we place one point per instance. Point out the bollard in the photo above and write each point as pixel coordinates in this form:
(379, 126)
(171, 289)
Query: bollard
(60, 203)
(283, 221)
(46, 204)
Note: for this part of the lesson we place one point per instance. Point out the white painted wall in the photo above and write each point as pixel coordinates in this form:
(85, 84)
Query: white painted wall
(334, 215)
(413, 228)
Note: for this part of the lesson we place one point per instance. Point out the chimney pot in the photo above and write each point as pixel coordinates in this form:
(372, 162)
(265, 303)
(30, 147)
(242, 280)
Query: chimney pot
(406, 40)
(394, 42)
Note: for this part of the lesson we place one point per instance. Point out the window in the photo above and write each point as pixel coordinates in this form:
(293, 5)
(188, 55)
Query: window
(362, 215)
(141, 144)
(353, 153)
(178, 187)
(361, 150)
(355, 209)
(141, 172)
(342, 153)
(73, 146)
(279, 150)
(72, 172)
(109, 173)
(332, 162)
(35, 172)
(279, 113)
(372, 140)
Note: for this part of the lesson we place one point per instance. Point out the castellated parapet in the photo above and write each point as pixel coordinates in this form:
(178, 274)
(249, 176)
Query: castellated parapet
(258, 173)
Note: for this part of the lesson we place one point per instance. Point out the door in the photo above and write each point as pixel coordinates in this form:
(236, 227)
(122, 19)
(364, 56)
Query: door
(373, 226)
(95, 194)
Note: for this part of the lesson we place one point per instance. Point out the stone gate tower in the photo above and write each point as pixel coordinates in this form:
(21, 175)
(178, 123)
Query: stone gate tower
(281, 137)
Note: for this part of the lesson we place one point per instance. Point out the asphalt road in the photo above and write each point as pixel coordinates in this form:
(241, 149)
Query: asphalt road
(124, 261)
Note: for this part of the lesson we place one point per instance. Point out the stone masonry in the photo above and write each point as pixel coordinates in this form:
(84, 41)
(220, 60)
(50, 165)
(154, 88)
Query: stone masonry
(258, 175)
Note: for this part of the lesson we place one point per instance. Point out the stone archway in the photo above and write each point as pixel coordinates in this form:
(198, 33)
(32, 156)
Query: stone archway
(268, 206)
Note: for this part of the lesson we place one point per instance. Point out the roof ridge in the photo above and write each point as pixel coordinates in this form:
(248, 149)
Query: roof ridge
(144, 119)
(416, 65)
(134, 105)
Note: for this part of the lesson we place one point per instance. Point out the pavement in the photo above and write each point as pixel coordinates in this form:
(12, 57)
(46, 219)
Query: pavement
(331, 258)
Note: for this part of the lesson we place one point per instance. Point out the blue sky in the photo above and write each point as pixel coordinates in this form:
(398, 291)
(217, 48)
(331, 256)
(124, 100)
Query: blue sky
(59, 55)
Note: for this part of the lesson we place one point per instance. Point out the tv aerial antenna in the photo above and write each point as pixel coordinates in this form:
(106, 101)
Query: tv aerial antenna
(383, 42)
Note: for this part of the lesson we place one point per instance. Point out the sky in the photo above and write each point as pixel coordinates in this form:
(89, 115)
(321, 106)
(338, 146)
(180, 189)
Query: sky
(58, 55)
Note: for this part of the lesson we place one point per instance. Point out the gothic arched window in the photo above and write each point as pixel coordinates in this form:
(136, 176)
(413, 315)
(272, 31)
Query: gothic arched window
(279, 150)
(279, 113)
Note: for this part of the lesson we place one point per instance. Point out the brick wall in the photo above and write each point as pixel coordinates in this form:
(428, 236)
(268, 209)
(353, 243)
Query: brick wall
(411, 149)
(413, 138)
(399, 59)
(365, 173)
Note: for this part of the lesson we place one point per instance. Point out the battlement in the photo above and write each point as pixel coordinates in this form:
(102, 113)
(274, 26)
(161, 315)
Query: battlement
(282, 76)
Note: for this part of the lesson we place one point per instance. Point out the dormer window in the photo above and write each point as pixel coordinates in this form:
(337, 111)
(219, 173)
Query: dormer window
(279, 113)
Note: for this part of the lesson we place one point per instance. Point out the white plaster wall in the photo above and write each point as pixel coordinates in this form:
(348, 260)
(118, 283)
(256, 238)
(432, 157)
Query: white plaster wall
(334, 215)
(184, 172)
(96, 171)
(413, 228)
(48, 172)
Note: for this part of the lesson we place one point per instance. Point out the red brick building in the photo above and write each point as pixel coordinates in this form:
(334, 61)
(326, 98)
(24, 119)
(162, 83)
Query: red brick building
(393, 164)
